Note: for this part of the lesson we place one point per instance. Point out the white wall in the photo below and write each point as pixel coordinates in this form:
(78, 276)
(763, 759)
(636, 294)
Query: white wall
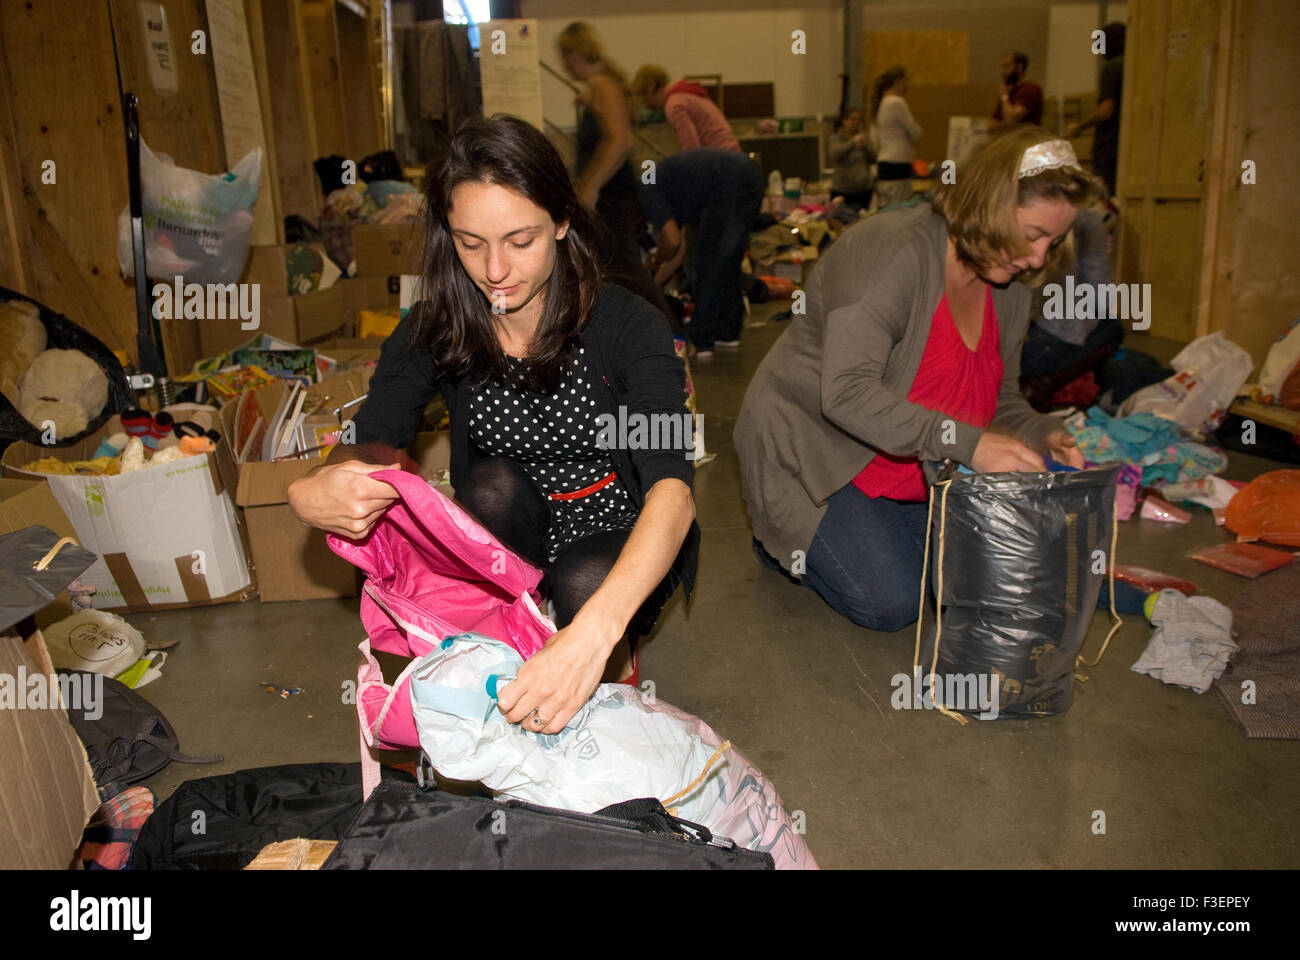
(1071, 66)
(747, 42)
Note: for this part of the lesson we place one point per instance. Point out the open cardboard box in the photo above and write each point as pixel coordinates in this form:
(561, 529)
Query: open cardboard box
(49, 792)
(167, 536)
(292, 559)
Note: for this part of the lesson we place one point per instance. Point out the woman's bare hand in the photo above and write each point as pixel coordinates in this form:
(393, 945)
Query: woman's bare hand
(342, 498)
(998, 453)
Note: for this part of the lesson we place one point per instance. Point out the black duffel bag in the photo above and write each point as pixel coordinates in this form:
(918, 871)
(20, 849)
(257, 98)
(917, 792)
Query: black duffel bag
(223, 822)
(406, 827)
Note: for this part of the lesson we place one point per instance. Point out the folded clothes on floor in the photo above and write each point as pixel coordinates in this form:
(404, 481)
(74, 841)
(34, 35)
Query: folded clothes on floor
(1191, 643)
(1157, 445)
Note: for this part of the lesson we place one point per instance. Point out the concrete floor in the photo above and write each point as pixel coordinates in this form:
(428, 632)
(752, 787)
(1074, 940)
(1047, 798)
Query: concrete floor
(807, 696)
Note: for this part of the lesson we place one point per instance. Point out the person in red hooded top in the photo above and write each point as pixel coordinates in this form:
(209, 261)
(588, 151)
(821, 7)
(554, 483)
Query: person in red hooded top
(694, 116)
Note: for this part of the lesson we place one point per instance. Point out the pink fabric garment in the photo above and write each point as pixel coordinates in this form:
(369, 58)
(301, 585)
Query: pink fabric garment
(697, 119)
(432, 571)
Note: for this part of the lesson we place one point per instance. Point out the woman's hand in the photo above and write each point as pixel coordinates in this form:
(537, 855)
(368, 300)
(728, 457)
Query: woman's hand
(998, 453)
(1063, 448)
(560, 678)
(341, 498)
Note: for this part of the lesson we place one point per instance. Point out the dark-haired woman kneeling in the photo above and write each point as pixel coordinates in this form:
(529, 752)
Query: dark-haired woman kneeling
(533, 354)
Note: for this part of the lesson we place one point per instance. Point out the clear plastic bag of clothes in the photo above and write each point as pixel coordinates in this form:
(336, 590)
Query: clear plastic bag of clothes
(1019, 560)
(622, 745)
(196, 225)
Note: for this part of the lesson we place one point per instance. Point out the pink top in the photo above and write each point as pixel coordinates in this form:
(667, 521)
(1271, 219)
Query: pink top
(697, 119)
(961, 382)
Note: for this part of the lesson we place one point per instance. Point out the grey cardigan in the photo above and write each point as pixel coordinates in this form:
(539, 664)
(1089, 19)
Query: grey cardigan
(833, 389)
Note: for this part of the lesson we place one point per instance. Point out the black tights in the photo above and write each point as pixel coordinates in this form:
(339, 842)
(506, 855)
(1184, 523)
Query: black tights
(502, 497)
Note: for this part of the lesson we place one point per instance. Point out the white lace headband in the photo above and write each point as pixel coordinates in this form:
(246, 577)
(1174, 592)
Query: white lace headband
(1049, 155)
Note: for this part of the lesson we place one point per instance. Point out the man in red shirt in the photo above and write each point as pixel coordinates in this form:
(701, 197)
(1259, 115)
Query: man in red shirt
(1022, 100)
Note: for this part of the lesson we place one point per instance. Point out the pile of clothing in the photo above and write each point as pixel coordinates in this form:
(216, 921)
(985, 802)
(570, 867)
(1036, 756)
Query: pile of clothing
(1157, 446)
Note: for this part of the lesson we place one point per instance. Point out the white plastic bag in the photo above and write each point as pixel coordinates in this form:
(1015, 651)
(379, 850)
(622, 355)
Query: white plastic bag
(622, 745)
(1209, 374)
(1282, 360)
(196, 225)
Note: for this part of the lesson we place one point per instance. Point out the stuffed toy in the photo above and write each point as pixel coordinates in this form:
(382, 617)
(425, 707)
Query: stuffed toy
(63, 386)
(22, 338)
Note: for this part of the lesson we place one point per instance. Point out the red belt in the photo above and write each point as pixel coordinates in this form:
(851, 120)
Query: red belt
(585, 491)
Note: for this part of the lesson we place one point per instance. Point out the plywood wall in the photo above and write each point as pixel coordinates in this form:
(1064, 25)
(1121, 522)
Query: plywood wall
(61, 86)
(1207, 86)
(929, 56)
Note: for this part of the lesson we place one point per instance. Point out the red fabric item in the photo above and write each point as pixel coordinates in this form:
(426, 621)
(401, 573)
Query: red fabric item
(953, 379)
(1079, 392)
(686, 86)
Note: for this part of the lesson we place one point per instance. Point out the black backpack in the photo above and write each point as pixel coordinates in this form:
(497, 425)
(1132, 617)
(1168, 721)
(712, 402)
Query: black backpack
(129, 740)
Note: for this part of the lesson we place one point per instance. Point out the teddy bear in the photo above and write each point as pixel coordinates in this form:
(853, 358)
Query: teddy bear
(63, 387)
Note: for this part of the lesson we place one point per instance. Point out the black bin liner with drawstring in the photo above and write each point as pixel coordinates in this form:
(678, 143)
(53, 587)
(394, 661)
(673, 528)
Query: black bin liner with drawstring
(1020, 580)
(62, 334)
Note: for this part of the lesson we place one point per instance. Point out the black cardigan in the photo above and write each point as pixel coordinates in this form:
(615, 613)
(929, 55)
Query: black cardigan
(628, 346)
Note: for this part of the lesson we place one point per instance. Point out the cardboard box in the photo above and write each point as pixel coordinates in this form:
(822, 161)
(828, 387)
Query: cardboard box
(318, 314)
(49, 792)
(369, 293)
(26, 503)
(293, 561)
(298, 319)
(268, 266)
(386, 250)
(351, 351)
(167, 536)
(277, 316)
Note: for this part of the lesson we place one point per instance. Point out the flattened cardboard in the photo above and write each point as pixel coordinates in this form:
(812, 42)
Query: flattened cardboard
(49, 792)
(144, 524)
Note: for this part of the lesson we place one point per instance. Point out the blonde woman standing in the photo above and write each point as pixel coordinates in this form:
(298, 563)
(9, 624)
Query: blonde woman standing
(606, 183)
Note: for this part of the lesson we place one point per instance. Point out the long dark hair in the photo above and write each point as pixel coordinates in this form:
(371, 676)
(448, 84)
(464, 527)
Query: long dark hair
(883, 83)
(453, 319)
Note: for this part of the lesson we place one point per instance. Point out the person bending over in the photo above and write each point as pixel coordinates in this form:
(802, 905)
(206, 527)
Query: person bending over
(909, 351)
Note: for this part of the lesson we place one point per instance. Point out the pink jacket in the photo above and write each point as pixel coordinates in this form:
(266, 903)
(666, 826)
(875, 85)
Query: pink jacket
(697, 119)
(431, 572)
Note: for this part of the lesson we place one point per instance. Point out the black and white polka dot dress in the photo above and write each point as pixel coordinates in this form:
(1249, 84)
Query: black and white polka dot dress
(553, 437)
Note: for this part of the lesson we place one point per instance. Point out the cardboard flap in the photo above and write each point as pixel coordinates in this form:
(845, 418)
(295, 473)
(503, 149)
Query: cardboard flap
(263, 484)
(49, 793)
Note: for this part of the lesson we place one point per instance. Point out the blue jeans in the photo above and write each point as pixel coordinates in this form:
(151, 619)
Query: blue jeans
(865, 559)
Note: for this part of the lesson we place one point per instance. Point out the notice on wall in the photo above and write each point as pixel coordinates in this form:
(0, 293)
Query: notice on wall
(158, 47)
(510, 69)
(241, 110)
